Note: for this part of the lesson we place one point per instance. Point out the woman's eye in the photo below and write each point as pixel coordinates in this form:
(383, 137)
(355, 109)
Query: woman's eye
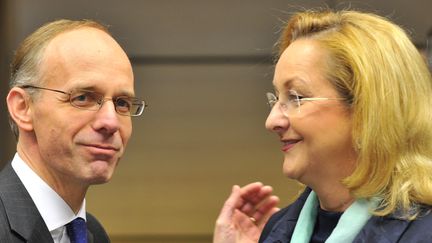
(293, 98)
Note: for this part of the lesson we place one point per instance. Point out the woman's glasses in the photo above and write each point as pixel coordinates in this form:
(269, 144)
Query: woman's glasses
(290, 104)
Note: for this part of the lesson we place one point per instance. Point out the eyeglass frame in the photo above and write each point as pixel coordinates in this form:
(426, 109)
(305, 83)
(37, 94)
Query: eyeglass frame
(272, 99)
(100, 101)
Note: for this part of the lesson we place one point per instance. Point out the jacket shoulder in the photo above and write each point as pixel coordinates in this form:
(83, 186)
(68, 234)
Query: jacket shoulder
(6, 233)
(419, 230)
(395, 229)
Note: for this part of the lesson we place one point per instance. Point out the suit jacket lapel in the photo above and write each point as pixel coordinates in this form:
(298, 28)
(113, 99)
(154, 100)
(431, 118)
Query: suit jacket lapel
(283, 229)
(23, 216)
(90, 238)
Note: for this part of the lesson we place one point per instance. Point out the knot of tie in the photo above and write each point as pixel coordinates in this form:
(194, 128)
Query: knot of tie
(77, 231)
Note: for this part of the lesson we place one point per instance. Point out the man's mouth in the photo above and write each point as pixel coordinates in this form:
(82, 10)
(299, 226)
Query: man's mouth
(102, 149)
(103, 146)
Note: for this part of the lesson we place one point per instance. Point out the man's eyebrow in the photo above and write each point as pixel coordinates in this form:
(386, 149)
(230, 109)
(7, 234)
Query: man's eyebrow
(97, 90)
(126, 93)
(82, 87)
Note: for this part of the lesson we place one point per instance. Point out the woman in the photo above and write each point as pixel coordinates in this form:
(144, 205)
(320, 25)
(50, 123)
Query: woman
(352, 109)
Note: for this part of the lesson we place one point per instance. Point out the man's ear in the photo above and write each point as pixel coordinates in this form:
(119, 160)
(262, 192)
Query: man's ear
(18, 103)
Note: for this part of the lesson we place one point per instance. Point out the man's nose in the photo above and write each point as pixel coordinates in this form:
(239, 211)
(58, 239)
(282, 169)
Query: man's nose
(107, 118)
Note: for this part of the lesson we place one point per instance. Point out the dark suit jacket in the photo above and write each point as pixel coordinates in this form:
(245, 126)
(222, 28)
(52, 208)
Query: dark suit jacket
(20, 220)
(388, 229)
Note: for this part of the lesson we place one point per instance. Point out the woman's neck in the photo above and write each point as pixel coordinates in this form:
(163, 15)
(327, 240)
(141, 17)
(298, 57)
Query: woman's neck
(334, 198)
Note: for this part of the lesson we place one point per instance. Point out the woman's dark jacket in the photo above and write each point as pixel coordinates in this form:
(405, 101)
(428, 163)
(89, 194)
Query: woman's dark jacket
(388, 229)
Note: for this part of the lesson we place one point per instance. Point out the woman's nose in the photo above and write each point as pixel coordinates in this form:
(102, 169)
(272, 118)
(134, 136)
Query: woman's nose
(276, 120)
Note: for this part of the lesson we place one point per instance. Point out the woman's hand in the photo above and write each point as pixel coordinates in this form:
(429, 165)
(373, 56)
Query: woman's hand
(245, 213)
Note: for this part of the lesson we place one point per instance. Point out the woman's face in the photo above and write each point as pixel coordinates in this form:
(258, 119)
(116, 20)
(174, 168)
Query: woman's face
(316, 137)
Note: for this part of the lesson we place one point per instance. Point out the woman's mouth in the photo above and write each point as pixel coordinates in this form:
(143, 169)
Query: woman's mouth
(288, 144)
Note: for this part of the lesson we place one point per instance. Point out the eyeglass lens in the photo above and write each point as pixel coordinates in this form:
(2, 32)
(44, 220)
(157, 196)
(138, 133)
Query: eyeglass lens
(289, 104)
(93, 101)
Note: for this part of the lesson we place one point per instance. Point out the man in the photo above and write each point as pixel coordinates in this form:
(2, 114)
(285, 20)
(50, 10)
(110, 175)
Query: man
(70, 103)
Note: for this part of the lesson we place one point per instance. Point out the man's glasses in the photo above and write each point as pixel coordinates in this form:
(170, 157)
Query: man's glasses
(291, 103)
(89, 100)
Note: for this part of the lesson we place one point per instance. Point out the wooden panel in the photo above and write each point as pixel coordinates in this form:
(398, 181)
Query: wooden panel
(7, 143)
(191, 27)
(162, 239)
(204, 129)
(171, 27)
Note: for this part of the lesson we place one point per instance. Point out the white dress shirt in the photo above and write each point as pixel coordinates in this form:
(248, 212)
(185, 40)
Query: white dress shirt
(54, 210)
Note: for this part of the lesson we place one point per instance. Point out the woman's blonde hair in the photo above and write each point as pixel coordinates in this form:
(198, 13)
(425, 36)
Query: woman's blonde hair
(387, 84)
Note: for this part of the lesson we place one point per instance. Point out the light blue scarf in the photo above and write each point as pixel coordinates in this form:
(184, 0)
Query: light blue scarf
(349, 225)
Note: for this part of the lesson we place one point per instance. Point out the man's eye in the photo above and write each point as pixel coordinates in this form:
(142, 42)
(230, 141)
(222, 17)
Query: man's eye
(123, 103)
(84, 98)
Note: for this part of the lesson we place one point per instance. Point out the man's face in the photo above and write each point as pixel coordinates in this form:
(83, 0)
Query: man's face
(75, 145)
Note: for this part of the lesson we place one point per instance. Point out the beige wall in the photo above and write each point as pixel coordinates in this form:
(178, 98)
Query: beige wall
(203, 67)
(203, 132)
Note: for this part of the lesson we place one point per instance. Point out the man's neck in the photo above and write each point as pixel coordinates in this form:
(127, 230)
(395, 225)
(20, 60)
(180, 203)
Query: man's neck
(73, 193)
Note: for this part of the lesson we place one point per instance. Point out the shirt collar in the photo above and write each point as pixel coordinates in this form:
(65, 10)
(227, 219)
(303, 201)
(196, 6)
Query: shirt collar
(53, 209)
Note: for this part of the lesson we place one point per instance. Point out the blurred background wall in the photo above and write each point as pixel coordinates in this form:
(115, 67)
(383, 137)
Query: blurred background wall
(204, 67)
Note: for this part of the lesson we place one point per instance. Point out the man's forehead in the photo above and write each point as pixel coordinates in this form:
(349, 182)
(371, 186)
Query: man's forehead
(86, 47)
(87, 58)
(85, 40)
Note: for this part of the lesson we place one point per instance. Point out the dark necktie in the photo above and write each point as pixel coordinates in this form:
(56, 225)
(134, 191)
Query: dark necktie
(77, 231)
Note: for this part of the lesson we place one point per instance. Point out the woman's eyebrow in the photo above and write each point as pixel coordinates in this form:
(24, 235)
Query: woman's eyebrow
(293, 81)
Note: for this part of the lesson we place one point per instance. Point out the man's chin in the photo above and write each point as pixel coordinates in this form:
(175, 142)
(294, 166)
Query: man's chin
(99, 179)
(101, 172)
